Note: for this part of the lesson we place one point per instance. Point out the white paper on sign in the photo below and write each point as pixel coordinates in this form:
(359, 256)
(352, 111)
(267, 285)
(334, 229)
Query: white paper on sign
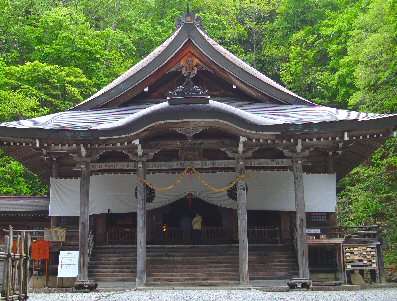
(68, 264)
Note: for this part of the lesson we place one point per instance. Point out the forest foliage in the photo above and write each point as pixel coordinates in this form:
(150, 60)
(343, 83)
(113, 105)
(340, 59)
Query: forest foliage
(341, 53)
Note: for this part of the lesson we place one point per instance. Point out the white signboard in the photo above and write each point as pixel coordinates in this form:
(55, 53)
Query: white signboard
(313, 231)
(68, 264)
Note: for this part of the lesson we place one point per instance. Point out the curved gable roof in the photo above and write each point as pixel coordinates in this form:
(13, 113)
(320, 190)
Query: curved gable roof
(191, 31)
(253, 117)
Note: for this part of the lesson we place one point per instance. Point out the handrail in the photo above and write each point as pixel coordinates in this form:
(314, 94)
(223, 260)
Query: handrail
(91, 243)
(332, 232)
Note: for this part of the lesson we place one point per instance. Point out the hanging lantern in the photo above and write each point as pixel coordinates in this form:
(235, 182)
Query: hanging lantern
(150, 193)
(232, 192)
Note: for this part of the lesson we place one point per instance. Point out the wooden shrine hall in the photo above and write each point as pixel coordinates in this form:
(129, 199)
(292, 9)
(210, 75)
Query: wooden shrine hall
(191, 129)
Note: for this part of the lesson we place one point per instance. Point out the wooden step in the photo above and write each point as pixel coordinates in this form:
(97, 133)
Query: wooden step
(198, 265)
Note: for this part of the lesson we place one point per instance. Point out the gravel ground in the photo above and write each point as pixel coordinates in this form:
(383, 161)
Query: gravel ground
(220, 295)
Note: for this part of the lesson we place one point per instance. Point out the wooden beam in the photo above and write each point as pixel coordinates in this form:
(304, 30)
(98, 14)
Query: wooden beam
(141, 228)
(196, 164)
(242, 225)
(84, 220)
(301, 245)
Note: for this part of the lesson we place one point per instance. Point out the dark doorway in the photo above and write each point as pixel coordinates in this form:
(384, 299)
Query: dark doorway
(174, 222)
(187, 207)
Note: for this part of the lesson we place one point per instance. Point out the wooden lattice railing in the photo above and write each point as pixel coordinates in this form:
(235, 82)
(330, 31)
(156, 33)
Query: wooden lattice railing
(216, 235)
(264, 235)
(370, 232)
(121, 235)
(15, 258)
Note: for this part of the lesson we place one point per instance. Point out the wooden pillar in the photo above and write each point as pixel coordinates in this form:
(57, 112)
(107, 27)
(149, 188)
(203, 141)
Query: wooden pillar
(242, 225)
(381, 262)
(141, 227)
(339, 263)
(84, 220)
(301, 245)
(54, 220)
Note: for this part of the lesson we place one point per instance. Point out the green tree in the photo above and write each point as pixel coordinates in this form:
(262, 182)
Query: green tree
(55, 88)
(373, 49)
(17, 180)
(369, 196)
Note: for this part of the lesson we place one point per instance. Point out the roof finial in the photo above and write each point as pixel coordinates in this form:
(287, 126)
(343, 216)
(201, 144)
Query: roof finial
(189, 17)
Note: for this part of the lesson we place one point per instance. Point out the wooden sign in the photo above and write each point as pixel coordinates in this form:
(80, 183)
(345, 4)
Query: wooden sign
(360, 257)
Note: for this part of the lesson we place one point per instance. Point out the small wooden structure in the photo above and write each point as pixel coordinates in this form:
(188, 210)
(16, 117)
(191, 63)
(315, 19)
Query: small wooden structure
(15, 272)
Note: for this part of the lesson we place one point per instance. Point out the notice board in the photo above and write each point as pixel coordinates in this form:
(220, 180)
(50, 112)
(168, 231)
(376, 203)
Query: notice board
(68, 264)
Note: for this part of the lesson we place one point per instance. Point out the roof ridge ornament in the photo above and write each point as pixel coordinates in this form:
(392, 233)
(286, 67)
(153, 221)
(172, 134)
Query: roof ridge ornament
(189, 18)
(188, 92)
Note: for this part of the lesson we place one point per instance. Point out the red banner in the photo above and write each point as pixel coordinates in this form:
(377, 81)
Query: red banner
(40, 250)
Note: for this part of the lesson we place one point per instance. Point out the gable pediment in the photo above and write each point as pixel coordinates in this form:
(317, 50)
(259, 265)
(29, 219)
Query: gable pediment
(218, 71)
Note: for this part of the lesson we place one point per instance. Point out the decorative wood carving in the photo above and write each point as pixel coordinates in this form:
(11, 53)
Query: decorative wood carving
(189, 131)
(188, 89)
(196, 164)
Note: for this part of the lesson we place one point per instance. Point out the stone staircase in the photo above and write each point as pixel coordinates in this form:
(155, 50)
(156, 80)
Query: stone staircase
(186, 264)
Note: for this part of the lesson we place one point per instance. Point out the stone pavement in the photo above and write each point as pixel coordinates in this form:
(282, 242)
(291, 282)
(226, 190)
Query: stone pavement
(385, 294)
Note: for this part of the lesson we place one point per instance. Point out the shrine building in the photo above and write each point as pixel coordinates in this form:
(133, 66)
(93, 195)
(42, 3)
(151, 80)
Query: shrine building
(192, 129)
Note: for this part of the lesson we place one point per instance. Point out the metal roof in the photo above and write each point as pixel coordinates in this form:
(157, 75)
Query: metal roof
(23, 203)
(248, 115)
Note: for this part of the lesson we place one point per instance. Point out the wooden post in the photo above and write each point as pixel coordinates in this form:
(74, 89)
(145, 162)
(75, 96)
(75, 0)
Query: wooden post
(6, 272)
(381, 262)
(301, 245)
(26, 264)
(242, 225)
(141, 227)
(54, 220)
(339, 263)
(84, 220)
(21, 276)
(82, 282)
